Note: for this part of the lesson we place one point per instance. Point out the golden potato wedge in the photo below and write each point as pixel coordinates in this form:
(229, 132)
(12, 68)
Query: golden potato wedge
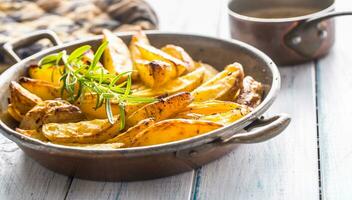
(50, 74)
(117, 57)
(88, 103)
(43, 89)
(126, 137)
(138, 37)
(155, 73)
(14, 113)
(83, 132)
(151, 53)
(228, 117)
(184, 83)
(161, 109)
(33, 134)
(173, 130)
(251, 93)
(181, 54)
(223, 86)
(211, 107)
(51, 111)
(209, 71)
(21, 99)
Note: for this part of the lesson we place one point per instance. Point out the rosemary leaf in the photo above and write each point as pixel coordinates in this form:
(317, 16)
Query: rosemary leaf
(78, 53)
(122, 115)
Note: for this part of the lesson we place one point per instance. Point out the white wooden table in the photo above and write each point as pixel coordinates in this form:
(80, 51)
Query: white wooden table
(311, 160)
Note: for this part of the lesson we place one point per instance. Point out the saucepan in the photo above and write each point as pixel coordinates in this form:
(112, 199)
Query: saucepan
(289, 31)
(160, 160)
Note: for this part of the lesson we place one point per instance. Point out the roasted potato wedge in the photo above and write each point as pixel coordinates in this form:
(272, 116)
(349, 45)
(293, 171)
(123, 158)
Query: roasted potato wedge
(181, 54)
(43, 89)
(228, 117)
(117, 57)
(223, 86)
(88, 103)
(138, 37)
(173, 130)
(33, 134)
(216, 111)
(209, 71)
(126, 137)
(14, 113)
(50, 74)
(251, 93)
(151, 53)
(162, 109)
(155, 73)
(21, 99)
(211, 107)
(83, 132)
(50, 111)
(184, 83)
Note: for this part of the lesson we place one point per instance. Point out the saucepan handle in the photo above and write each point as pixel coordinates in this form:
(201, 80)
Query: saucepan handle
(307, 37)
(10, 47)
(260, 130)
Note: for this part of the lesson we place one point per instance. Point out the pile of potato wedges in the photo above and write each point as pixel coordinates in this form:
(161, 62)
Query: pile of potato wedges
(193, 98)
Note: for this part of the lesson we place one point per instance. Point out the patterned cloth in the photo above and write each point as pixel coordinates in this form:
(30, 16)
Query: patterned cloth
(71, 19)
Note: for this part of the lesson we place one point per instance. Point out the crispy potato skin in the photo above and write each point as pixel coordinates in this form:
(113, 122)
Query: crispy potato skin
(251, 93)
(185, 83)
(21, 99)
(162, 109)
(87, 106)
(126, 137)
(43, 89)
(173, 130)
(84, 132)
(223, 86)
(50, 111)
(117, 58)
(50, 74)
(181, 54)
(151, 53)
(155, 73)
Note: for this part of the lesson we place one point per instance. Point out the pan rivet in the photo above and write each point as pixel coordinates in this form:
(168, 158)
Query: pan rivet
(322, 34)
(193, 153)
(296, 40)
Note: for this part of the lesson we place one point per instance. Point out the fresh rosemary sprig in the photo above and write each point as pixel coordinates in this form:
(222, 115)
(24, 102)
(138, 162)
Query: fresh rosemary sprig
(79, 78)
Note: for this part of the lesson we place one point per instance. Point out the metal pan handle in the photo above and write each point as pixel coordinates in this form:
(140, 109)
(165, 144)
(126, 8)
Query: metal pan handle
(258, 131)
(10, 47)
(313, 31)
(264, 129)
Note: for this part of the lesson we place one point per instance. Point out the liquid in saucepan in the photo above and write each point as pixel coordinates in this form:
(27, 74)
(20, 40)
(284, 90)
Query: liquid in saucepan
(280, 12)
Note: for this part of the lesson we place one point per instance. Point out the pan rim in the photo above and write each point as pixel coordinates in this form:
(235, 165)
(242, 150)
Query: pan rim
(192, 142)
(237, 15)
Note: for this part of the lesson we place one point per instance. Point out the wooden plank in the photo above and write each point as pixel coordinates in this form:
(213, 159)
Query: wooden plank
(176, 16)
(334, 98)
(23, 178)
